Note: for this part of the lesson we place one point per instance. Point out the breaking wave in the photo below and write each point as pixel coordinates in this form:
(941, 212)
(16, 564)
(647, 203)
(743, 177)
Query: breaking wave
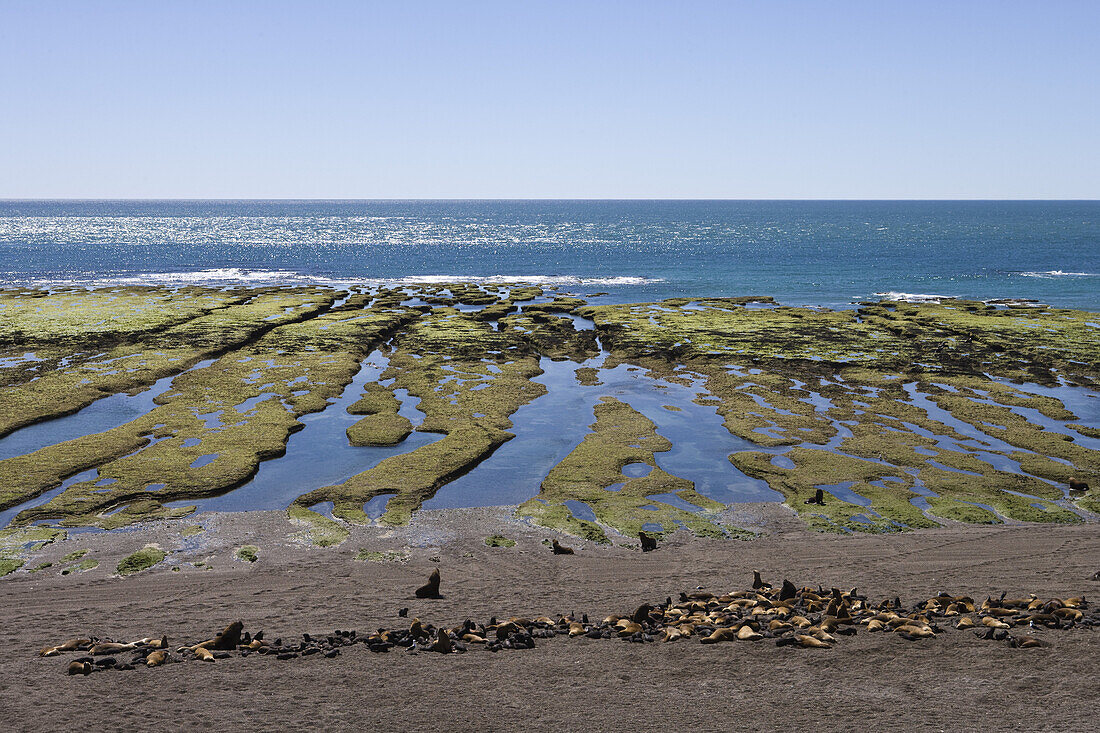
(913, 297)
(241, 276)
(1059, 273)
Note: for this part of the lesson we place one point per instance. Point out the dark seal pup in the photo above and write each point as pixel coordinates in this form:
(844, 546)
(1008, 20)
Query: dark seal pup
(648, 543)
(431, 588)
(819, 498)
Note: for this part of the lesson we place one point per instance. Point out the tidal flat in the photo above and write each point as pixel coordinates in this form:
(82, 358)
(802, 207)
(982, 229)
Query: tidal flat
(341, 408)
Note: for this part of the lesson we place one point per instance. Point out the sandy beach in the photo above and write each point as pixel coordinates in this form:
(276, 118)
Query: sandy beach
(868, 680)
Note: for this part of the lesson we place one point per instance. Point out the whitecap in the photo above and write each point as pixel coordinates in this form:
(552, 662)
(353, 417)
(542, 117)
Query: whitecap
(1059, 273)
(913, 297)
(223, 276)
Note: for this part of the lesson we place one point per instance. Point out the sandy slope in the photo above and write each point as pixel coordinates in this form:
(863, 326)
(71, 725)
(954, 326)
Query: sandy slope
(871, 681)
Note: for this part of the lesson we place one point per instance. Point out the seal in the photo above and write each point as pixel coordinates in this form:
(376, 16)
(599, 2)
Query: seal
(758, 583)
(648, 543)
(629, 628)
(1024, 642)
(745, 633)
(671, 633)
(204, 654)
(559, 549)
(1076, 484)
(442, 642)
(84, 668)
(229, 638)
(157, 658)
(431, 588)
(819, 498)
(810, 642)
(70, 645)
(720, 635)
(111, 647)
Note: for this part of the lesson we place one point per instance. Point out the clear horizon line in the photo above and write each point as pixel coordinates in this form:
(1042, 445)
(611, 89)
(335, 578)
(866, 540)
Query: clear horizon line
(522, 199)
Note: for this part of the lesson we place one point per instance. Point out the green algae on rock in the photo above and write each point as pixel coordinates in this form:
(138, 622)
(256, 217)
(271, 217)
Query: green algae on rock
(247, 553)
(15, 542)
(240, 410)
(468, 400)
(620, 436)
(151, 349)
(321, 531)
(382, 424)
(915, 402)
(81, 567)
(552, 335)
(499, 540)
(143, 559)
(375, 556)
(949, 337)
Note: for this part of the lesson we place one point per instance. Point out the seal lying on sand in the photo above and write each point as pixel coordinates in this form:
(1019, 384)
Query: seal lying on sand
(559, 549)
(431, 588)
(84, 668)
(157, 658)
(71, 645)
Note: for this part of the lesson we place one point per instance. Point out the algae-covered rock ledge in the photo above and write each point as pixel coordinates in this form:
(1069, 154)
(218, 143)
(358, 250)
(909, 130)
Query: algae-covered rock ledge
(904, 416)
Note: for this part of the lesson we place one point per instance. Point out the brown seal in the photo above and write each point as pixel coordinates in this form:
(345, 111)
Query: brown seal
(1076, 484)
(758, 583)
(229, 638)
(747, 633)
(157, 658)
(648, 543)
(811, 642)
(559, 549)
(70, 645)
(720, 635)
(84, 668)
(431, 588)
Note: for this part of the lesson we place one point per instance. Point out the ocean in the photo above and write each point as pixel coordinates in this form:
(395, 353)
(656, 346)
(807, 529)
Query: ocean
(825, 253)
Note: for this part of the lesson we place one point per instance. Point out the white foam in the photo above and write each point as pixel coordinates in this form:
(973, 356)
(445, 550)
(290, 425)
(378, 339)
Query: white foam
(913, 297)
(1059, 273)
(240, 276)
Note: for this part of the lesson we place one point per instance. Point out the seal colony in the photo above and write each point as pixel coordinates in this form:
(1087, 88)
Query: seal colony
(788, 616)
(887, 417)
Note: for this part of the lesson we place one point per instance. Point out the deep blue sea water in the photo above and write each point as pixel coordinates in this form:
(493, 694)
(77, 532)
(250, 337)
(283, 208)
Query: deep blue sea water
(802, 252)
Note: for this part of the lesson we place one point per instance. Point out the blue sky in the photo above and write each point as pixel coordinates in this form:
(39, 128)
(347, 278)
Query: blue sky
(768, 99)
